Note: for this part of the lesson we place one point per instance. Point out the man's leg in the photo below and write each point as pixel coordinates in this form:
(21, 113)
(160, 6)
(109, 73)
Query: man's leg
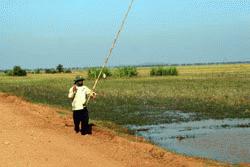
(85, 122)
(76, 118)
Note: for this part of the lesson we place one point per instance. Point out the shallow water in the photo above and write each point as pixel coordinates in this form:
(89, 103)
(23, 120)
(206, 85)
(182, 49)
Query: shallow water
(225, 140)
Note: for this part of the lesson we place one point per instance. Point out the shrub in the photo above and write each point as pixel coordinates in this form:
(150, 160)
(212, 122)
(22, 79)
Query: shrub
(9, 72)
(94, 72)
(16, 71)
(126, 72)
(37, 71)
(50, 71)
(68, 71)
(163, 71)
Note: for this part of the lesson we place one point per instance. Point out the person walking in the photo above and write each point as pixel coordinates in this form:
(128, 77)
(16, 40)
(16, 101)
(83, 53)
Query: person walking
(79, 93)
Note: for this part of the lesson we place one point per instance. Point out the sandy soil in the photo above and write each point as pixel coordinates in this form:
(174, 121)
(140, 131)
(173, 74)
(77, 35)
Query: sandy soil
(37, 135)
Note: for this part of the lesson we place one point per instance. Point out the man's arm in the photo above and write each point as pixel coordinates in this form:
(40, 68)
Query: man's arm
(90, 92)
(72, 92)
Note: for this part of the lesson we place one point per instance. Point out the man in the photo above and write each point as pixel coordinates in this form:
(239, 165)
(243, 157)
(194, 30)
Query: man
(79, 94)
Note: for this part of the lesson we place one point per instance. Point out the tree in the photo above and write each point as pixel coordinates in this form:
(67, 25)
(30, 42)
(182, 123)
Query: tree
(16, 71)
(59, 68)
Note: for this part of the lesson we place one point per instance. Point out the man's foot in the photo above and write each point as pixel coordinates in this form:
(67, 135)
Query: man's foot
(77, 130)
(83, 133)
(86, 133)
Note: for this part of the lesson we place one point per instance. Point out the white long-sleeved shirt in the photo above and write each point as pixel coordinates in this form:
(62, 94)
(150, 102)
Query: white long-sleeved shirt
(80, 98)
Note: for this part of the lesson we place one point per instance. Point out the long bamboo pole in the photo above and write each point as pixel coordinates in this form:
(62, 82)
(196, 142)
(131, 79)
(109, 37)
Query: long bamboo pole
(112, 48)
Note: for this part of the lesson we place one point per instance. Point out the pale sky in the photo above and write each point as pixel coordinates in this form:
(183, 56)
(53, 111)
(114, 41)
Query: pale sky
(78, 33)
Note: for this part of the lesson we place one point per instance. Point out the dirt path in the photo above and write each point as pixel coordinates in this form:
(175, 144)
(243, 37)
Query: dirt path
(36, 135)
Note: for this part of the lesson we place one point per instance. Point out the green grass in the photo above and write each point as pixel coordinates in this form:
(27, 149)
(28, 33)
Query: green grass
(216, 91)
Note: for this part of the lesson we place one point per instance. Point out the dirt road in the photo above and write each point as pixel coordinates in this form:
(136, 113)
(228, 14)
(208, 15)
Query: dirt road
(37, 135)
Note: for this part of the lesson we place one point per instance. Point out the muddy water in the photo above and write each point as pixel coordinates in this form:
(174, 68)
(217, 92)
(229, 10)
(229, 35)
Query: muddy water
(225, 140)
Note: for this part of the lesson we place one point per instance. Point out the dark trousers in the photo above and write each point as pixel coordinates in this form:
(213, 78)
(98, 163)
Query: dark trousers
(81, 116)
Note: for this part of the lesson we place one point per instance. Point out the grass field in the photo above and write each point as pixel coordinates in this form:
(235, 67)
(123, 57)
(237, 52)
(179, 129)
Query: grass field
(212, 91)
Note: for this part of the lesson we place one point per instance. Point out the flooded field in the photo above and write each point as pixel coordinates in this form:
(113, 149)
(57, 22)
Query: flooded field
(226, 140)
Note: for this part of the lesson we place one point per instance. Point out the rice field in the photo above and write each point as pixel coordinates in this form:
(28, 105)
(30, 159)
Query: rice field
(211, 91)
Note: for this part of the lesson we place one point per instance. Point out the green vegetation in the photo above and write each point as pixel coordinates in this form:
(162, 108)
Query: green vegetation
(215, 91)
(163, 71)
(126, 72)
(94, 72)
(120, 72)
(17, 71)
(67, 71)
(37, 71)
(60, 68)
(50, 71)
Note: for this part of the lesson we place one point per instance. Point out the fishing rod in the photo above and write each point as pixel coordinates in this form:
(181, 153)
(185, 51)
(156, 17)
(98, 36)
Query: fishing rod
(112, 47)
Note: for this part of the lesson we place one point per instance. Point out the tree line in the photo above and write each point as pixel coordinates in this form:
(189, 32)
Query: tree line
(19, 71)
(126, 71)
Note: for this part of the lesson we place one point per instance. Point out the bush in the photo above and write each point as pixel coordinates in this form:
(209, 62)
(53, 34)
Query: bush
(17, 71)
(50, 71)
(68, 71)
(37, 71)
(163, 71)
(126, 72)
(9, 72)
(94, 72)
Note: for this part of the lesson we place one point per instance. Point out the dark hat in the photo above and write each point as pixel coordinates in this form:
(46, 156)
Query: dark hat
(78, 78)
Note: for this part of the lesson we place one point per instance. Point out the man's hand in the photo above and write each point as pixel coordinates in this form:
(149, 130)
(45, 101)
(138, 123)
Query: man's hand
(93, 95)
(74, 89)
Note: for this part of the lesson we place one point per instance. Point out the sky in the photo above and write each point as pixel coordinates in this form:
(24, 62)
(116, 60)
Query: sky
(79, 33)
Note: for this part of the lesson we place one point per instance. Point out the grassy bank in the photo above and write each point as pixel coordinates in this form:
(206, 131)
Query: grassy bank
(216, 91)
